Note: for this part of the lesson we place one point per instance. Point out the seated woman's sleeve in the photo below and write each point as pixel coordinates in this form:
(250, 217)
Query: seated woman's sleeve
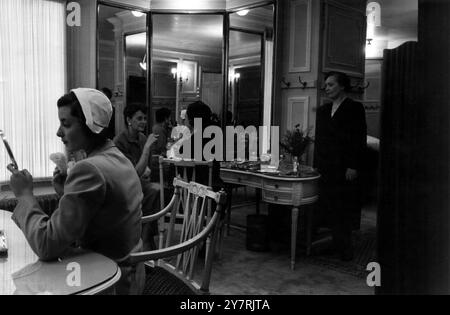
(50, 237)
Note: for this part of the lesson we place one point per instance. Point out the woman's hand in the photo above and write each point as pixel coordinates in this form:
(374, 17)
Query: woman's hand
(58, 181)
(21, 182)
(150, 140)
(146, 175)
(351, 174)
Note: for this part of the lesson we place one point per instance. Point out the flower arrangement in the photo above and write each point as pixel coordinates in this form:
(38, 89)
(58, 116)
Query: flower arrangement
(296, 141)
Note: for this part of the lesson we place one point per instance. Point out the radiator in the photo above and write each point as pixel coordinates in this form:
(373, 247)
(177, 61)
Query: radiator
(48, 203)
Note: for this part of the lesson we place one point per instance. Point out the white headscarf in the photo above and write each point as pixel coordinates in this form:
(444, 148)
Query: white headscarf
(96, 108)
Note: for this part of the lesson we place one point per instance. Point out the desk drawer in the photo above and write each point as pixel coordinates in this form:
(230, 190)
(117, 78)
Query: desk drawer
(242, 179)
(277, 185)
(248, 180)
(277, 196)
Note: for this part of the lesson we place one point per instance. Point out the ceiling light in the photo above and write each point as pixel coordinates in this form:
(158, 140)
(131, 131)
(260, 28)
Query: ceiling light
(143, 64)
(243, 12)
(137, 13)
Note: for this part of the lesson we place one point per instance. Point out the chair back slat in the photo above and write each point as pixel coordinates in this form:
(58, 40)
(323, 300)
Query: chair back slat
(180, 254)
(194, 221)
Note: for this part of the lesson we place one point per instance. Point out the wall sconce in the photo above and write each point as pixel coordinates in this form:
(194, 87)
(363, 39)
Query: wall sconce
(137, 14)
(243, 12)
(143, 64)
(184, 77)
(174, 72)
(183, 74)
(373, 12)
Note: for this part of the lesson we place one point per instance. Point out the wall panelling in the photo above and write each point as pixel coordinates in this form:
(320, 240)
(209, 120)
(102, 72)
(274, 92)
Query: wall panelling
(300, 36)
(344, 39)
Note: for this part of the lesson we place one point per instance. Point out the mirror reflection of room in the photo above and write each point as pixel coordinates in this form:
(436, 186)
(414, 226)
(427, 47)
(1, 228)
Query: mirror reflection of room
(251, 54)
(187, 53)
(245, 77)
(122, 59)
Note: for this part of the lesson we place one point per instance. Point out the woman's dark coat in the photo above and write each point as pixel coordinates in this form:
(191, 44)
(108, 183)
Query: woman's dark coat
(340, 144)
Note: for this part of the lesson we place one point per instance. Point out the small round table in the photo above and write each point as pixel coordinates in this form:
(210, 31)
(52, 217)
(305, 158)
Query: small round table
(22, 273)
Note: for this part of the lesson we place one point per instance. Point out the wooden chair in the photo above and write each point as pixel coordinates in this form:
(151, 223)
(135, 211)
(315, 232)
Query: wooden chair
(171, 268)
(183, 169)
(187, 171)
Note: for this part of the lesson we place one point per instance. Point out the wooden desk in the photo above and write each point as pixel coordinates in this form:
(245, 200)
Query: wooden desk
(293, 191)
(21, 273)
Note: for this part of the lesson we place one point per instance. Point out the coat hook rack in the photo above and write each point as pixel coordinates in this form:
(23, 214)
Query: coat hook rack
(287, 84)
(303, 84)
(118, 93)
(361, 87)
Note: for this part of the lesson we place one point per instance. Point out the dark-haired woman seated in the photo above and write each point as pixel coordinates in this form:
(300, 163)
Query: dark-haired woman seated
(339, 148)
(100, 206)
(137, 147)
(199, 110)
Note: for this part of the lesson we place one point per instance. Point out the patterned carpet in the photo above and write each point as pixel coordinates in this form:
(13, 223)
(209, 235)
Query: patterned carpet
(364, 252)
(364, 241)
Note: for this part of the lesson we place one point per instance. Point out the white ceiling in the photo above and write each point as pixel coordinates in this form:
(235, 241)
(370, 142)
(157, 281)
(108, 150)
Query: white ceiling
(197, 33)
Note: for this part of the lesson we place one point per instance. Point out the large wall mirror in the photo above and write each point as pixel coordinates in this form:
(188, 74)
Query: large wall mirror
(122, 57)
(187, 61)
(184, 62)
(251, 58)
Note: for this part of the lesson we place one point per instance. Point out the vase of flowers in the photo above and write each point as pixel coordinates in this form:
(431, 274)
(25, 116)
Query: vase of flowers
(295, 142)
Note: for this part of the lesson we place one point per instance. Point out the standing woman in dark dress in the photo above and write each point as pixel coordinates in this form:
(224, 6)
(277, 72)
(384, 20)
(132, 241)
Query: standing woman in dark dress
(341, 136)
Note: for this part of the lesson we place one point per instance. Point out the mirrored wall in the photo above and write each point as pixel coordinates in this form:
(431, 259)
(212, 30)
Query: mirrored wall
(182, 61)
(251, 59)
(122, 58)
(187, 61)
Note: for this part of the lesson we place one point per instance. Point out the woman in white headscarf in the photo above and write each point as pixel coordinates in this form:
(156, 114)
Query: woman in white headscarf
(100, 205)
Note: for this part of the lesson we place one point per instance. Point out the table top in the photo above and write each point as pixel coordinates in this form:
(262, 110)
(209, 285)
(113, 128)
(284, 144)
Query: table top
(22, 273)
(306, 173)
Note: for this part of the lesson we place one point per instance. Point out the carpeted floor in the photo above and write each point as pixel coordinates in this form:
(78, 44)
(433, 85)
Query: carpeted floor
(364, 252)
(241, 271)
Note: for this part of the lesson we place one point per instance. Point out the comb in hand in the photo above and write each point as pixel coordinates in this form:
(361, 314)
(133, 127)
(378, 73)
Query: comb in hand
(3, 246)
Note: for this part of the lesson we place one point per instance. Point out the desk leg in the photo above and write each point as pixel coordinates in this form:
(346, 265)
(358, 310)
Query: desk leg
(309, 229)
(258, 199)
(295, 212)
(228, 212)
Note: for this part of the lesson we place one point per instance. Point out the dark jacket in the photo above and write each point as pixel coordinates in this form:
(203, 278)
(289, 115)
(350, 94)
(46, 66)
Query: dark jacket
(340, 140)
(340, 144)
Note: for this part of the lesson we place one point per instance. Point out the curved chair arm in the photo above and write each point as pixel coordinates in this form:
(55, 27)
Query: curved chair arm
(176, 249)
(164, 211)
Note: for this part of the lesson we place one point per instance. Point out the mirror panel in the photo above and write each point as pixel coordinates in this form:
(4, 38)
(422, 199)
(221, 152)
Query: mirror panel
(251, 55)
(245, 99)
(187, 54)
(136, 67)
(122, 44)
